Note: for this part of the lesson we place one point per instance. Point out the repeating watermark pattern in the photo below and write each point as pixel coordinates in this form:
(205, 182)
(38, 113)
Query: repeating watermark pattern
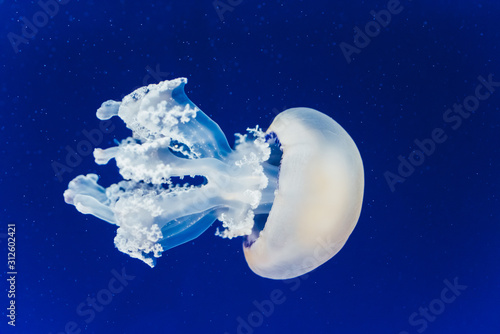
(96, 303)
(75, 155)
(452, 116)
(156, 74)
(30, 28)
(221, 7)
(277, 111)
(94, 138)
(425, 315)
(372, 29)
(266, 308)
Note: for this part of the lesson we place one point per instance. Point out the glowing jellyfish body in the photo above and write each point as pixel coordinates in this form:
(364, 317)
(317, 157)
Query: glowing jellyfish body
(304, 177)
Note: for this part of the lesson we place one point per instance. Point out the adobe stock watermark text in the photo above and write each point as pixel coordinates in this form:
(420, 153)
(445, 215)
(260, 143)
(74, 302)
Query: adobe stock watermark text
(454, 117)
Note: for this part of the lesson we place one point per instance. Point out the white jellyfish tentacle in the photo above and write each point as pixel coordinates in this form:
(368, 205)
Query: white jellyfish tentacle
(163, 110)
(172, 138)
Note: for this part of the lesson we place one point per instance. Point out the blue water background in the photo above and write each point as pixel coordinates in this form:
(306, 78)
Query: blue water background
(441, 224)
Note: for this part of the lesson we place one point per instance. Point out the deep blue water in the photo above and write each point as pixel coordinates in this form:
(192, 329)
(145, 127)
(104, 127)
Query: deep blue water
(414, 239)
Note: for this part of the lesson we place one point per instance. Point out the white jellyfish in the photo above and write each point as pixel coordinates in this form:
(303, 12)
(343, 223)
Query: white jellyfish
(294, 192)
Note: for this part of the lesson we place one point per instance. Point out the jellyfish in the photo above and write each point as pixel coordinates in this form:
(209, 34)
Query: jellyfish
(294, 192)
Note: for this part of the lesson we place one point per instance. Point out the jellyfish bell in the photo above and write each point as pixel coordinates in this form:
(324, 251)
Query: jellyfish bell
(318, 200)
(303, 178)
